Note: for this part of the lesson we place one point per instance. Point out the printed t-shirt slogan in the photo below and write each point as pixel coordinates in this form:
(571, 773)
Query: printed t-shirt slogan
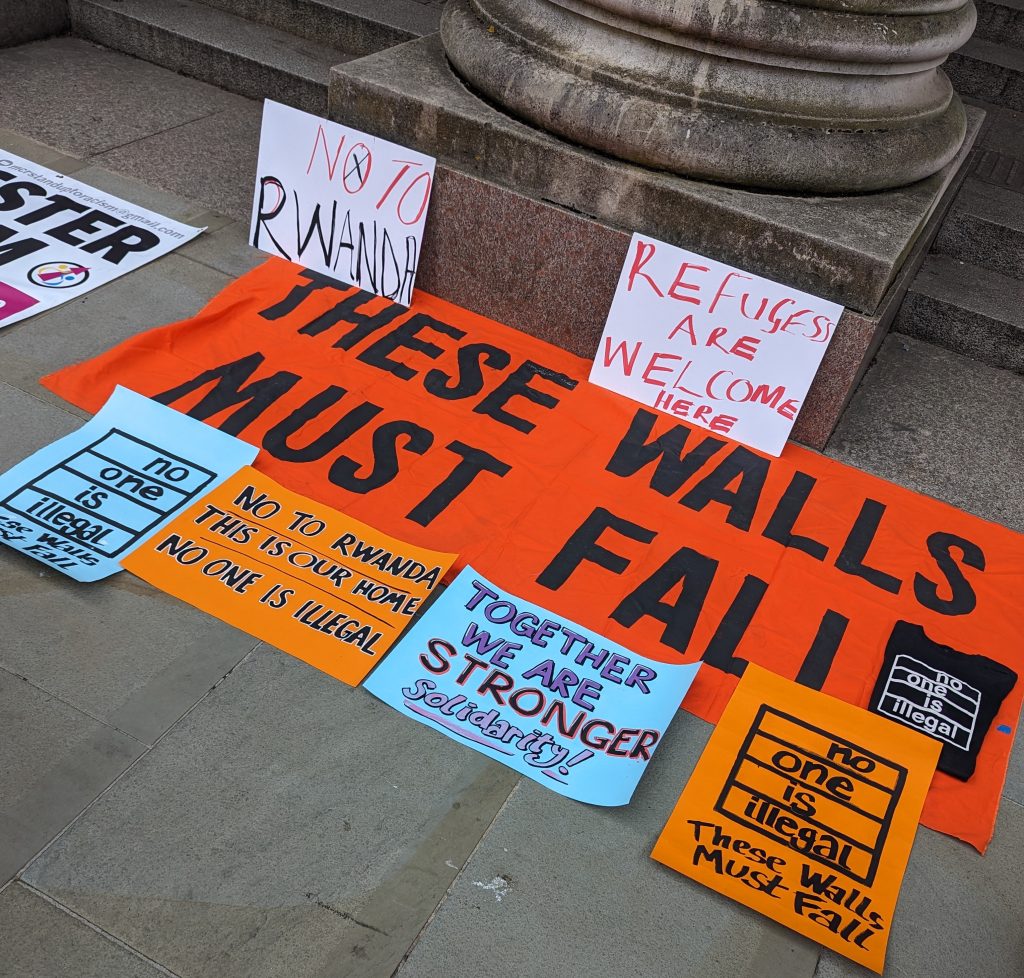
(804, 809)
(326, 588)
(459, 434)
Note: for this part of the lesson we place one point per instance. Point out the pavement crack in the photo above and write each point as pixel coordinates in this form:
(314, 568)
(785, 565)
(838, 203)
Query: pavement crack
(97, 157)
(344, 914)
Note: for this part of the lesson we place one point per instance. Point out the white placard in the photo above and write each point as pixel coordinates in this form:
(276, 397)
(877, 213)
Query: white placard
(723, 349)
(60, 238)
(340, 202)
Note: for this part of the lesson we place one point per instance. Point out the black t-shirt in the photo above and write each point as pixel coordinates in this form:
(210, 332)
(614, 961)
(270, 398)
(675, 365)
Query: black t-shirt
(949, 695)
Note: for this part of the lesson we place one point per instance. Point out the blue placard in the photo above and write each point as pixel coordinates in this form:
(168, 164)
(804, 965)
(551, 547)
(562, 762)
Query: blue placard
(85, 501)
(543, 695)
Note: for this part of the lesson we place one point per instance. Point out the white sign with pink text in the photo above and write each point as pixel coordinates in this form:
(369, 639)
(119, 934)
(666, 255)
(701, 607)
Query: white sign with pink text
(723, 349)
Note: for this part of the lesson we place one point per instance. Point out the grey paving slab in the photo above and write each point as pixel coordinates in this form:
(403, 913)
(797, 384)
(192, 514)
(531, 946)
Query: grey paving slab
(212, 160)
(162, 292)
(1005, 132)
(43, 941)
(120, 651)
(1014, 787)
(21, 22)
(54, 761)
(226, 249)
(37, 425)
(32, 149)
(255, 60)
(83, 99)
(959, 914)
(559, 888)
(289, 825)
(940, 424)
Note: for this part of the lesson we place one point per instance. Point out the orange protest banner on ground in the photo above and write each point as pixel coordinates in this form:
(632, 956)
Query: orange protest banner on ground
(459, 434)
(300, 575)
(804, 809)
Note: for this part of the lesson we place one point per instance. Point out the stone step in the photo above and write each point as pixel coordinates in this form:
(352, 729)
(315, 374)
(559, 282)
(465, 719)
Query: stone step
(988, 70)
(970, 310)
(985, 226)
(357, 26)
(213, 45)
(1001, 21)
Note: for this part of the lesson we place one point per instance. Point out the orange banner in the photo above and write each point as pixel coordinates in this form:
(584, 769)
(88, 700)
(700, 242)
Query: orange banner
(326, 588)
(804, 809)
(460, 434)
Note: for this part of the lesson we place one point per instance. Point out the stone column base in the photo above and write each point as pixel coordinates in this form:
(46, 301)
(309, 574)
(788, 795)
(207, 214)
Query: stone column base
(532, 231)
(762, 93)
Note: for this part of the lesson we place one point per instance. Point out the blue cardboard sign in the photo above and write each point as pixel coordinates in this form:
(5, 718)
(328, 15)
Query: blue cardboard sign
(85, 501)
(545, 696)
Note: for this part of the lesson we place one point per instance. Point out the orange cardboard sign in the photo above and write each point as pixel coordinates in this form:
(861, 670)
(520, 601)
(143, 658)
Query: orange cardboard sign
(460, 434)
(300, 575)
(804, 809)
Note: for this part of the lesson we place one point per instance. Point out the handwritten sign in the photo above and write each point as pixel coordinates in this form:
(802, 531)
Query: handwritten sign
(60, 238)
(543, 695)
(804, 808)
(325, 588)
(82, 503)
(725, 350)
(340, 201)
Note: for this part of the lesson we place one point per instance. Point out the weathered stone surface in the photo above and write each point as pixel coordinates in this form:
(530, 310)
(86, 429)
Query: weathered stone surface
(989, 70)
(43, 941)
(968, 309)
(958, 914)
(198, 40)
(117, 99)
(985, 226)
(796, 96)
(356, 26)
(289, 825)
(523, 262)
(848, 249)
(21, 21)
(603, 908)
(227, 143)
(940, 424)
(56, 760)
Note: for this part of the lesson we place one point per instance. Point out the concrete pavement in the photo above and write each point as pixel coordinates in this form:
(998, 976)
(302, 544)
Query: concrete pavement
(181, 800)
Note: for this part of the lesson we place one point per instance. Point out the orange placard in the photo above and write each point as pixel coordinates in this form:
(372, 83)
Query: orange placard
(460, 434)
(300, 575)
(804, 809)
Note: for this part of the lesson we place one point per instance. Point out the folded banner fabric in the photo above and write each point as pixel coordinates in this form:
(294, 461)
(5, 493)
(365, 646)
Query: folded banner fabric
(456, 433)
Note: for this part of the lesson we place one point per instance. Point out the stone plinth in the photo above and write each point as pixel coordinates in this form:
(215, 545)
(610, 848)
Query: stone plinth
(532, 231)
(826, 96)
(844, 248)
